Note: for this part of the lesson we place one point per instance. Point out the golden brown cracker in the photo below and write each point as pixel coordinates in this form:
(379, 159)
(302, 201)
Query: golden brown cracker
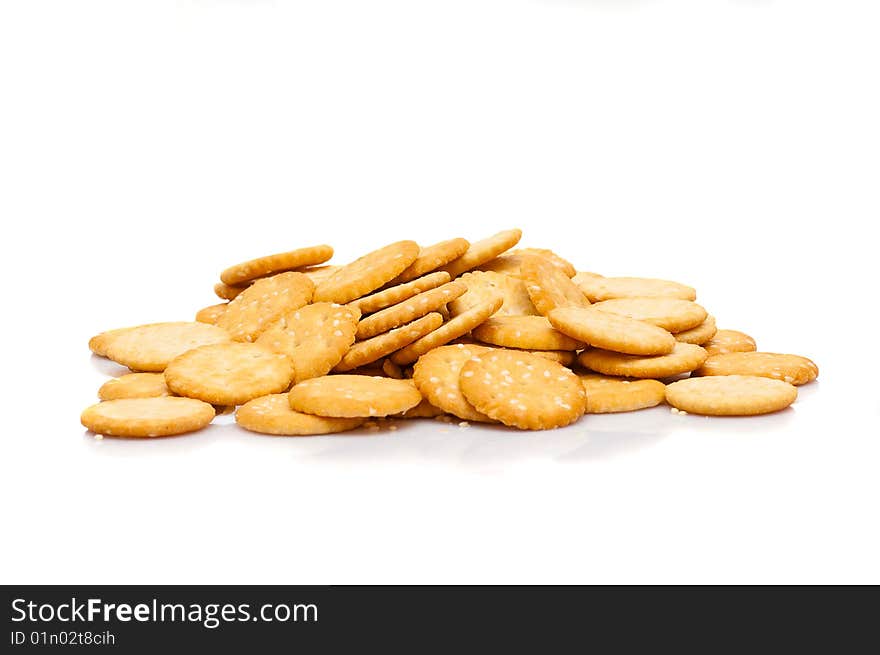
(792, 369)
(277, 263)
(364, 352)
(483, 285)
(211, 313)
(273, 415)
(262, 303)
(151, 347)
(684, 357)
(398, 293)
(730, 395)
(228, 292)
(134, 385)
(700, 334)
(524, 332)
(433, 257)
(729, 341)
(409, 310)
(436, 376)
(483, 251)
(452, 329)
(315, 337)
(612, 331)
(349, 396)
(548, 287)
(147, 417)
(606, 394)
(600, 288)
(229, 373)
(367, 273)
(522, 390)
(510, 263)
(673, 314)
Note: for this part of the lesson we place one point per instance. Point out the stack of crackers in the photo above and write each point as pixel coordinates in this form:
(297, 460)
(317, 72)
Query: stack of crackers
(457, 331)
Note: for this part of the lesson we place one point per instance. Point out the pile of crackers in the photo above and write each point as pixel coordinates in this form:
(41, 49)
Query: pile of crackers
(457, 331)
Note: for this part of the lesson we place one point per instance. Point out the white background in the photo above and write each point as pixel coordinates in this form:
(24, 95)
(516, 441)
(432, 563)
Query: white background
(731, 145)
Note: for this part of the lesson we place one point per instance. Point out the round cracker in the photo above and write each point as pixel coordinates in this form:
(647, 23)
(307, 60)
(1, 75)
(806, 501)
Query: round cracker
(524, 332)
(147, 417)
(606, 394)
(134, 385)
(262, 303)
(730, 395)
(367, 273)
(315, 337)
(483, 285)
(229, 373)
(548, 287)
(272, 414)
(432, 258)
(673, 314)
(364, 352)
(483, 251)
(99, 343)
(511, 262)
(730, 341)
(423, 410)
(700, 334)
(228, 292)
(399, 293)
(278, 263)
(349, 396)
(522, 390)
(436, 375)
(211, 313)
(409, 310)
(607, 288)
(612, 331)
(793, 369)
(684, 357)
(152, 347)
(452, 329)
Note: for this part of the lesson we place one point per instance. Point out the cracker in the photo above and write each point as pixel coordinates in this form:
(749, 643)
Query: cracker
(318, 273)
(278, 263)
(228, 292)
(262, 303)
(730, 395)
(483, 251)
(606, 394)
(564, 357)
(229, 373)
(483, 285)
(364, 352)
(147, 417)
(433, 257)
(684, 357)
(729, 341)
(399, 293)
(510, 263)
(315, 337)
(211, 313)
(673, 314)
(793, 369)
(549, 287)
(272, 414)
(423, 410)
(392, 370)
(612, 331)
(436, 375)
(524, 332)
(367, 273)
(152, 347)
(134, 385)
(350, 396)
(452, 329)
(522, 390)
(409, 310)
(99, 343)
(700, 334)
(606, 288)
